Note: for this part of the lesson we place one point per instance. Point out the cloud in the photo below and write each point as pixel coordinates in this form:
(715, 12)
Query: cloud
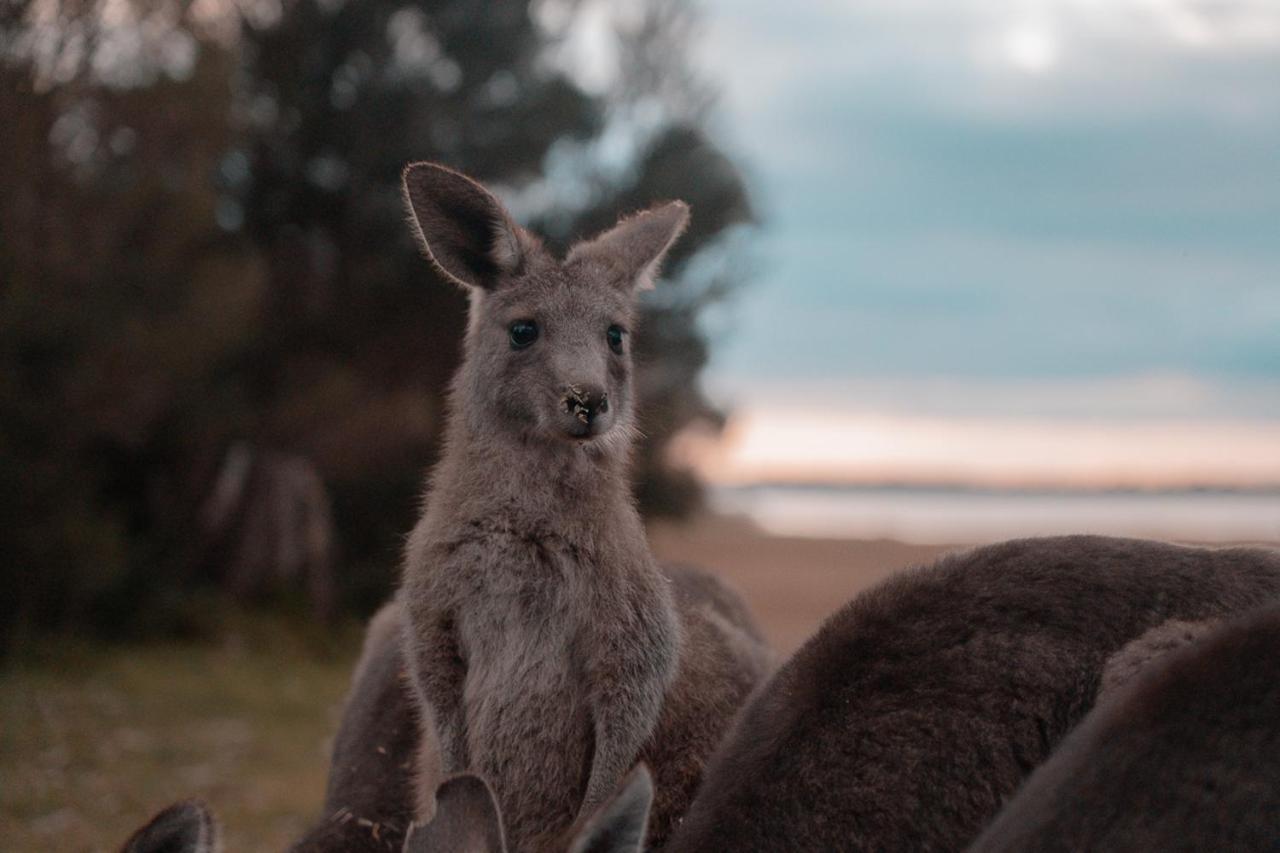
(992, 189)
(1134, 397)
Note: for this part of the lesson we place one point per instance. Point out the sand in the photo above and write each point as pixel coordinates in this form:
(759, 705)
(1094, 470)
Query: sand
(791, 584)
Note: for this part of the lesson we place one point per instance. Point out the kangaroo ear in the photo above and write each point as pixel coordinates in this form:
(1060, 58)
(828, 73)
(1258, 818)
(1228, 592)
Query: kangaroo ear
(635, 247)
(619, 825)
(466, 821)
(463, 229)
(1141, 655)
(185, 827)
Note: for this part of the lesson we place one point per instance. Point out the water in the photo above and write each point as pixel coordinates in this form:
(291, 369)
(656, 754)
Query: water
(947, 515)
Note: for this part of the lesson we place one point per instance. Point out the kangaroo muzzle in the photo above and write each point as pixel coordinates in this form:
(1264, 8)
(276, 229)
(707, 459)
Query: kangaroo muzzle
(585, 403)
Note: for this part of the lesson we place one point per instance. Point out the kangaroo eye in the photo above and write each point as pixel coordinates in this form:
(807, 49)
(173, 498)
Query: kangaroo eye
(614, 336)
(523, 333)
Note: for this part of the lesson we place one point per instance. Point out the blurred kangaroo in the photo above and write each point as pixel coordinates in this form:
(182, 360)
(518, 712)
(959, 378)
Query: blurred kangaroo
(184, 827)
(1183, 756)
(467, 819)
(368, 801)
(919, 707)
(542, 639)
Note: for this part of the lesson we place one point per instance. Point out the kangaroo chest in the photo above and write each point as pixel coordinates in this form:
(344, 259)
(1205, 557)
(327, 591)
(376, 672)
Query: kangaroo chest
(525, 692)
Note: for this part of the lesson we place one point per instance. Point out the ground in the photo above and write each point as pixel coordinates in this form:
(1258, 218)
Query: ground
(94, 740)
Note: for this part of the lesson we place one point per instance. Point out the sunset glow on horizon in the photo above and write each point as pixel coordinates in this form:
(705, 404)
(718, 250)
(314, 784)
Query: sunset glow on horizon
(813, 446)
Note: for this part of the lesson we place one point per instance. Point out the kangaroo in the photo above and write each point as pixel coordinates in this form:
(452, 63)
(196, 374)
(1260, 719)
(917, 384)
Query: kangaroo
(1184, 756)
(915, 710)
(545, 646)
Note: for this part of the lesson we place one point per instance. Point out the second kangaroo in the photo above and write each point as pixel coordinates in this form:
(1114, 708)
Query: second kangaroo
(543, 641)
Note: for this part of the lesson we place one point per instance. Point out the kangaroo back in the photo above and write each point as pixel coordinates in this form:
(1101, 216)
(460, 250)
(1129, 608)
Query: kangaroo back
(916, 710)
(1184, 757)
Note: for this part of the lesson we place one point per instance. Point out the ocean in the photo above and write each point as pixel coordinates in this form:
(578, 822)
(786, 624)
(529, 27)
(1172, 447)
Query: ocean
(929, 515)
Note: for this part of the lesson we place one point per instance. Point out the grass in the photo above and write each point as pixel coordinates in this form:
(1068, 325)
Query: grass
(93, 740)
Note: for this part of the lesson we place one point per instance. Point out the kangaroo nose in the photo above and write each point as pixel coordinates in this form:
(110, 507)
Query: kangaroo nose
(585, 402)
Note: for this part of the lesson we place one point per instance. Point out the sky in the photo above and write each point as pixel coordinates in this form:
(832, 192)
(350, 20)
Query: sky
(1020, 218)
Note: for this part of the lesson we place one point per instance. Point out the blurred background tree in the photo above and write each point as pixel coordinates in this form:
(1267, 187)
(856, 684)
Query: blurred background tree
(221, 358)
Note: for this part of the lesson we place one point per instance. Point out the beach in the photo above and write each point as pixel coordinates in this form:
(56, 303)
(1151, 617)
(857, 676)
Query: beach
(791, 583)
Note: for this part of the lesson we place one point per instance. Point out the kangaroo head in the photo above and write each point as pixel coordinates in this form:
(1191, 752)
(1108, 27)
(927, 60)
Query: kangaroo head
(184, 827)
(467, 820)
(548, 352)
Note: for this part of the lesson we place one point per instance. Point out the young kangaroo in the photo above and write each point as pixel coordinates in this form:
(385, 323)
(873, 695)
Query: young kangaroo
(544, 644)
(1184, 756)
(922, 704)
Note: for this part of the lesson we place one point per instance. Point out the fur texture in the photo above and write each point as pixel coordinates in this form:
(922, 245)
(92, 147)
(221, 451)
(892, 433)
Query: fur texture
(544, 644)
(1186, 757)
(368, 800)
(920, 706)
(1144, 652)
(730, 660)
(184, 827)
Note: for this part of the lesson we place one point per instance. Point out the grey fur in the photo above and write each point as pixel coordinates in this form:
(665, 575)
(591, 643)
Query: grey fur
(543, 641)
(184, 827)
(1186, 757)
(368, 802)
(918, 708)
